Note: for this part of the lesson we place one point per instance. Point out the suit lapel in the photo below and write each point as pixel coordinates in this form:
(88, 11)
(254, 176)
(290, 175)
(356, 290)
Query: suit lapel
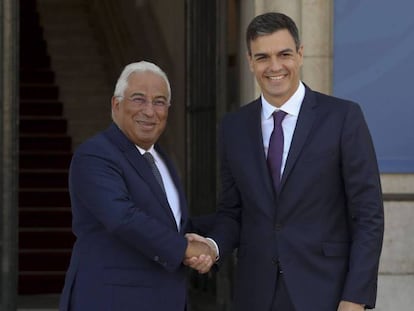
(141, 166)
(303, 127)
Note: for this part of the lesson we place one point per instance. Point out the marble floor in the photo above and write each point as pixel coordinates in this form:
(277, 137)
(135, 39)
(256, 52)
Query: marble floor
(38, 303)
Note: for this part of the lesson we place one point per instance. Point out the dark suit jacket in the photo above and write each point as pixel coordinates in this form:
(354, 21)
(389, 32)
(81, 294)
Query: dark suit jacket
(324, 227)
(128, 251)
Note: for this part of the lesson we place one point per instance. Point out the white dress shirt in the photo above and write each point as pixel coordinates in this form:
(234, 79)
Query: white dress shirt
(170, 189)
(292, 108)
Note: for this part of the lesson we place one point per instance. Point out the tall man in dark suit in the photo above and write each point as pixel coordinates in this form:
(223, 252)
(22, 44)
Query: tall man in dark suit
(129, 209)
(307, 214)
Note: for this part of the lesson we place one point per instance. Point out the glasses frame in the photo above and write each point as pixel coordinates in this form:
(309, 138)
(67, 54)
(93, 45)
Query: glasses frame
(146, 102)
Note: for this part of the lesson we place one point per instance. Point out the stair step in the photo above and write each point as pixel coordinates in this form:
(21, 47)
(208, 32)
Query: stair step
(29, 5)
(67, 14)
(34, 198)
(40, 160)
(42, 125)
(31, 34)
(34, 62)
(45, 238)
(29, 21)
(40, 108)
(52, 4)
(43, 178)
(33, 43)
(39, 91)
(49, 260)
(65, 67)
(45, 217)
(45, 142)
(32, 283)
(39, 75)
(37, 58)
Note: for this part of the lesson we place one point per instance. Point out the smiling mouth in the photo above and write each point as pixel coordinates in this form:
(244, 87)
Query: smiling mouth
(146, 124)
(276, 78)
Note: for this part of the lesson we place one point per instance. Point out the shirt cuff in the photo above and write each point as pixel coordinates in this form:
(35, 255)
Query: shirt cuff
(216, 247)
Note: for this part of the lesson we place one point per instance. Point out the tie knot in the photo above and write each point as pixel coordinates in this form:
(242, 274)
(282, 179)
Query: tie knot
(278, 116)
(148, 156)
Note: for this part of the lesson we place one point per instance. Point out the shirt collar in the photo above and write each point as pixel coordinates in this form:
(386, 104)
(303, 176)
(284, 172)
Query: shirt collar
(150, 150)
(291, 106)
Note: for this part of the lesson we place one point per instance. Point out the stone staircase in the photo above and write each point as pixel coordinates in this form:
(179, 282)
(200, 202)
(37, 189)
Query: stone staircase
(80, 65)
(64, 98)
(45, 237)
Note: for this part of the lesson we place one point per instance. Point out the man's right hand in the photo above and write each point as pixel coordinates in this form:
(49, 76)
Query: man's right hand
(197, 248)
(200, 253)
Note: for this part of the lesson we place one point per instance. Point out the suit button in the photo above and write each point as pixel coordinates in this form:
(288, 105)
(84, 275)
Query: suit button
(278, 227)
(156, 258)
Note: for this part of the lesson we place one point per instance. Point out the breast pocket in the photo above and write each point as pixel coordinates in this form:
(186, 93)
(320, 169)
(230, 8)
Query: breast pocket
(319, 155)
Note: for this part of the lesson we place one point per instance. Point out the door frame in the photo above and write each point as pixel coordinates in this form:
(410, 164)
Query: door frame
(9, 111)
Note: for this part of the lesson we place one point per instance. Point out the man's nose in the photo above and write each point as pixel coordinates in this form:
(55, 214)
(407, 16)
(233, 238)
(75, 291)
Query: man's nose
(275, 63)
(148, 108)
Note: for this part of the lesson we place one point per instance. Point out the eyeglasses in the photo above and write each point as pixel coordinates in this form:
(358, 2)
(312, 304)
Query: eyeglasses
(141, 101)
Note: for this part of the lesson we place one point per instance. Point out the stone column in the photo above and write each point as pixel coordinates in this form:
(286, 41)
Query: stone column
(8, 153)
(316, 28)
(396, 279)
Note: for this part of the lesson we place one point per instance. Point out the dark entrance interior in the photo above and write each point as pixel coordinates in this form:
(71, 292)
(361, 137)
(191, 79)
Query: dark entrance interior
(46, 144)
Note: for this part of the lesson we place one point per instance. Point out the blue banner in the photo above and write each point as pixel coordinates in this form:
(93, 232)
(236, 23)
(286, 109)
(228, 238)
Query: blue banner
(374, 66)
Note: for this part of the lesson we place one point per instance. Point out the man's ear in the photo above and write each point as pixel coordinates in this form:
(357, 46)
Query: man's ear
(300, 53)
(115, 103)
(250, 61)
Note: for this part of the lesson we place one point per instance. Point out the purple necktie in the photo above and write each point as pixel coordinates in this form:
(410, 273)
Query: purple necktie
(275, 151)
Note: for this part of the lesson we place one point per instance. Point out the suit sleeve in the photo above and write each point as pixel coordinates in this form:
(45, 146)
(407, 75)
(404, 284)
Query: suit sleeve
(201, 224)
(365, 207)
(97, 184)
(228, 217)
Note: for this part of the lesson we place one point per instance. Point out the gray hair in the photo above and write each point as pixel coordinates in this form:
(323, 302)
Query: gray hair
(141, 66)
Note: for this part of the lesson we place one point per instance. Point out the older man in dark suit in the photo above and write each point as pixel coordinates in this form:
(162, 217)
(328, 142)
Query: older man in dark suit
(129, 209)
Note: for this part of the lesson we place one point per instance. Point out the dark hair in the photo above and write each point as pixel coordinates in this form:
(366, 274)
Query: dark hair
(269, 23)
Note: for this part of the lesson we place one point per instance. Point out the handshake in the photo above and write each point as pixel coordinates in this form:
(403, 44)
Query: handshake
(201, 253)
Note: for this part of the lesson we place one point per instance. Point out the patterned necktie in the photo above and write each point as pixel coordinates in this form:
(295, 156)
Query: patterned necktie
(150, 159)
(275, 151)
